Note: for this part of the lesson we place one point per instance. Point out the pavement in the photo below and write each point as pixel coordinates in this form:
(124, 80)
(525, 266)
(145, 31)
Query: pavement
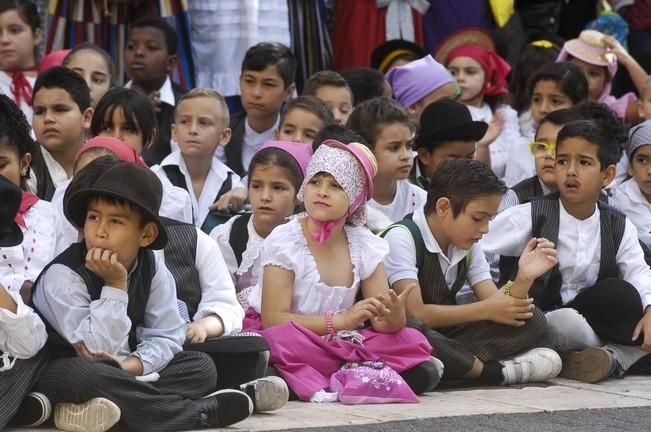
(560, 405)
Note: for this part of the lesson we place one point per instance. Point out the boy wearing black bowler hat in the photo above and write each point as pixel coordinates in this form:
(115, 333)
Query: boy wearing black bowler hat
(115, 332)
(447, 131)
(22, 333)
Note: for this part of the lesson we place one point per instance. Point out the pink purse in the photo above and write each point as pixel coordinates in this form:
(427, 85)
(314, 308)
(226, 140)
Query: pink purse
(370, 382)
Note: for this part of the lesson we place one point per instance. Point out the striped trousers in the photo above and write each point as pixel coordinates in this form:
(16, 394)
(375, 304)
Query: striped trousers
(172, 403)
(458, 346)
(16, 382)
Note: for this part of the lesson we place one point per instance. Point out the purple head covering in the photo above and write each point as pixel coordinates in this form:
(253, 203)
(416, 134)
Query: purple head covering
(299, 151)
(415, 80)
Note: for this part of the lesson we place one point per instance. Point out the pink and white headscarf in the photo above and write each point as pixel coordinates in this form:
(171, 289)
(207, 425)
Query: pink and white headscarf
(353, 166)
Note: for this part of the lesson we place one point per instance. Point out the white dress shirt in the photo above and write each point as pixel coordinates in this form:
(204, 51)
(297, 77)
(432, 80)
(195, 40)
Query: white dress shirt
(578, 249)
(216, 176)
(22, 334)
(628, 198)
(217, 289)
(400, 262)
(252, 141)
(103, 324)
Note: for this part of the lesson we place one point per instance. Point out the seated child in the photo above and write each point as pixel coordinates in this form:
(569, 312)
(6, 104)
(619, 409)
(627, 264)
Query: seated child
(127, 115)
(598, 293)
(22, 333)
(437, 250)
(419, 83)
(333, 90)
(94, 65)
(633, 197)
(543, 149)
(446, 131)
(149, 56)
(267, 81)
(62, 114)
(389, 131)
(598, 56)
(21, 264)
(275, 176)
(469, 55)
(552, 87)
(110, 304)
(200, 127)
(20, 23)
(302, 118)
(328, 258)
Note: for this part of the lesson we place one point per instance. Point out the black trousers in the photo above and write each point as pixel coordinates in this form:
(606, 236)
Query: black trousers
(457, 346)
(238, 358)
(16, 382)
(170, 404)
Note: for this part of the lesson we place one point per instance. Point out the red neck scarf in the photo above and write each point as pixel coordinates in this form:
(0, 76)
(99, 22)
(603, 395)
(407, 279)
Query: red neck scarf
(20, 86)
(29, 199)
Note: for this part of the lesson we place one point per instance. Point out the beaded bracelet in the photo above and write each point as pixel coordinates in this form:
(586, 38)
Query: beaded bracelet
(331, 328)
(507, 288)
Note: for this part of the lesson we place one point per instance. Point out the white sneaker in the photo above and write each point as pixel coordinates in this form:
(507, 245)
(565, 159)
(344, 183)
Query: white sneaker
(96, 415)
(536, 365)
(268, 393)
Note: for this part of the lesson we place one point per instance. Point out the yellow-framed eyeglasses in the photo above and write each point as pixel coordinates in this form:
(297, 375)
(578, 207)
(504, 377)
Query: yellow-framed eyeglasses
(542, 149)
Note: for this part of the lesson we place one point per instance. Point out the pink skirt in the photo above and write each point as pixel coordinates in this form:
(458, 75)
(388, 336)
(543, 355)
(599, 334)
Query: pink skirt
(306, 361)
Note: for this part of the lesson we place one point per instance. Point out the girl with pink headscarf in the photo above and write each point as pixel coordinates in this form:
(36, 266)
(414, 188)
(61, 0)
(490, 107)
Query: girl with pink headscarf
(481, 74)
(599, 55)
(316, 267)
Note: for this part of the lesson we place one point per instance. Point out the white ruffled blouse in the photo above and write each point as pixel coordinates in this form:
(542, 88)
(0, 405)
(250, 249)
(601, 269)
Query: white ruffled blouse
(286, 247)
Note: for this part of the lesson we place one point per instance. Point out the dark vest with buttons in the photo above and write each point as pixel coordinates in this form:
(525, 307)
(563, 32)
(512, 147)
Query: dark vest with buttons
(545, 216)
(139, 283)
(433, 286)
(180, 259)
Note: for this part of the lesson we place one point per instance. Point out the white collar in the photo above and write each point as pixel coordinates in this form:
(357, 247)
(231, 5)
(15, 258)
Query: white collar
(455, 254)
(254, 136)
(543, 187)
(632, 190)
(594, 217)
(166, 92)
(57, 172)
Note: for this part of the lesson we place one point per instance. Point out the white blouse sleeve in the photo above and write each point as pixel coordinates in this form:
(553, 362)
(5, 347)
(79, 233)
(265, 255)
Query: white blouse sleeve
(281, 245)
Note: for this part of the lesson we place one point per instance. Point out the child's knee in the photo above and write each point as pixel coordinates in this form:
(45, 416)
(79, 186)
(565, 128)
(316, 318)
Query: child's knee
(569, 330)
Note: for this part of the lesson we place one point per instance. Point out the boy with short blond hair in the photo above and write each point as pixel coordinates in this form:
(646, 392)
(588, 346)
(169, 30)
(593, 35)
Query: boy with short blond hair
(200, 127)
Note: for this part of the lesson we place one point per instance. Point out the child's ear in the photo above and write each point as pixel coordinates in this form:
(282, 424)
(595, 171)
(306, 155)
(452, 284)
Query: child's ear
(171, 62)
(25, 163)
(173, 130)
(443, 206)
(608, 175)
(38, 36)
(629, 169)
(149, 234)
(289, 92)
(640, 109)
(276, 133)
(87, 116)
(226, 136)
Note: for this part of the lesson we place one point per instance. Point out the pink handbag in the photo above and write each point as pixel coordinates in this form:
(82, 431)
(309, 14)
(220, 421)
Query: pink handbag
(370, 382)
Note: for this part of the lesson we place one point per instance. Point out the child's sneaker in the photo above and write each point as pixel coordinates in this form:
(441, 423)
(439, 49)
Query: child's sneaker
(229, 407)
(34, 411)
(96, 415)
(589, 365)
(536, 365)
(268, 393)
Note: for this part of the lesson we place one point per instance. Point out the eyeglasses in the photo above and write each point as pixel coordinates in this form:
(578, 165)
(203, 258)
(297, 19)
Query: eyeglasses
(541, 149)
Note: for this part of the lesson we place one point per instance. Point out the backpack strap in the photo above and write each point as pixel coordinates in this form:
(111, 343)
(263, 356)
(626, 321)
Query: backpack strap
(239, 236)
(175, 176)
(410, 226)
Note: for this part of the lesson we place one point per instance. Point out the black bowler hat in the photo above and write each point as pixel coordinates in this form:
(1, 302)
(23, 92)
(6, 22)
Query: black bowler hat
(386, 54)
(448, 120)
(10, 198)
(126, 181)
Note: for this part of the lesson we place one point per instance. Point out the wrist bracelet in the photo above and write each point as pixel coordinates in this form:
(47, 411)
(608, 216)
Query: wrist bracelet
(331, 328)
(507, 288)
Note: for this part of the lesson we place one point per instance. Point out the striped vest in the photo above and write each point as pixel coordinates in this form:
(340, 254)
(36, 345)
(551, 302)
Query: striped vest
(545, 216)
(139, 289)
(528, 189)
(180, 259)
